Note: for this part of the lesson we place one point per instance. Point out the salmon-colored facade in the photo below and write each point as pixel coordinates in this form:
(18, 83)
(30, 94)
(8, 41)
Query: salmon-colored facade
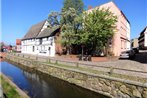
(121, 38)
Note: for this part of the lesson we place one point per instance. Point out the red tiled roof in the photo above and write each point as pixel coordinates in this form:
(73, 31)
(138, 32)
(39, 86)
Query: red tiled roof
(18, 41)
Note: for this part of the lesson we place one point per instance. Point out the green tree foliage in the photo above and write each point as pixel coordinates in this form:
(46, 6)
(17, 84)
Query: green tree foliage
(68, 28)
(98, 29)
(1, 46)
(78, 5)
(71, 11)
(53, 18)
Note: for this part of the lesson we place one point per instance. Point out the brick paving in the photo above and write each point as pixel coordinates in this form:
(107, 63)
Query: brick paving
(137, 64)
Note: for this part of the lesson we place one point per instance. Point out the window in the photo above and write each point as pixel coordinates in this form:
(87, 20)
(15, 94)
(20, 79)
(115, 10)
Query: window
(48, 38)
(121, 44)
(33, 48)
(49, 49)
(40, 41)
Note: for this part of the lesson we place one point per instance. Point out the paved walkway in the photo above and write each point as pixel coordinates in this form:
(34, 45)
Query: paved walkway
(138, 64)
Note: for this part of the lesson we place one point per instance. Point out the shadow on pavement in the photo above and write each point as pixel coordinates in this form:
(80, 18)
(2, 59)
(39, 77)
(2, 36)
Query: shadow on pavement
(141, 57)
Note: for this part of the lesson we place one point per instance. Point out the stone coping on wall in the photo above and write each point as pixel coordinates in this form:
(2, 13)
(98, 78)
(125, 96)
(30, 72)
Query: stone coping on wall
(103, 76)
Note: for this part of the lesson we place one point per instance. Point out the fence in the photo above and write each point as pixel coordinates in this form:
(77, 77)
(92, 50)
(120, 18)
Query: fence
(85, 64)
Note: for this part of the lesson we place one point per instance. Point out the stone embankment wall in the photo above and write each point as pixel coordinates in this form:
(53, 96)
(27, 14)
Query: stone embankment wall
(103, 84)
(15, 87)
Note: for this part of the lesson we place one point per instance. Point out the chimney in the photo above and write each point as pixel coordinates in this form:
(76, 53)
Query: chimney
(89, 7)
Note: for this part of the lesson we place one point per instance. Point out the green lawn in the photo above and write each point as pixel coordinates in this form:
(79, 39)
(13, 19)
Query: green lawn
(8, 90)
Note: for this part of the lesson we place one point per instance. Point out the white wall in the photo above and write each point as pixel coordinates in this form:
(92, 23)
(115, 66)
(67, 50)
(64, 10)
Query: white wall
(47, 48)
(145, 40)
(45, 25)
(18, 48)
(27, 46)
(128, 36)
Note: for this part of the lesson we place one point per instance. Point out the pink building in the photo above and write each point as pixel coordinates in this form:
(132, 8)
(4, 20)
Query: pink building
(121, 39)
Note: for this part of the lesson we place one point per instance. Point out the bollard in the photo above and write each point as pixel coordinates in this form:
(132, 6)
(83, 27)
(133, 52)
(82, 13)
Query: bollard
(77, 64)
(56, 62)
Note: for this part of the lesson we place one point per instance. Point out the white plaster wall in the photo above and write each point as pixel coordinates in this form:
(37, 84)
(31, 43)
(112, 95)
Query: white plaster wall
(39, 49)
(128, 36)
(18, 48)
(47, 46)
(145, 40)
(45, 26)
(27, 46)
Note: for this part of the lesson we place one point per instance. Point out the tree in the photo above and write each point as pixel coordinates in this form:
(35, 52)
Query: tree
(1, 46)
(71, 11)
(53, 18)
(98, 29)
(78, 5)
(68, 28)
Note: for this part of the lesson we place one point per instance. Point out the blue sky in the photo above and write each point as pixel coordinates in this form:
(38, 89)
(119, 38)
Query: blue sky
(19, 15)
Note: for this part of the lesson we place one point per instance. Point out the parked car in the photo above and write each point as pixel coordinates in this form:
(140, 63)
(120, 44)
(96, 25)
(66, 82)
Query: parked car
(130, 54)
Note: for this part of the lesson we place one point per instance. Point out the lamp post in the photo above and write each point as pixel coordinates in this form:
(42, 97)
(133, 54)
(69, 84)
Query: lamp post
(82, 51)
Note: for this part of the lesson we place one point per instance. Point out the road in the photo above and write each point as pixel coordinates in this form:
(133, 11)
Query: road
(141, 57)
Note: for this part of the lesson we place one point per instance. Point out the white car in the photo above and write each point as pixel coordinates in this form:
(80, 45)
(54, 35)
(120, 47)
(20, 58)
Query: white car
(130, 54)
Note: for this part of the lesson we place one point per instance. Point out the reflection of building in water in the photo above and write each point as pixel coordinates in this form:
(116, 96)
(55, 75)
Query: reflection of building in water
(31, 76)
(46, 86)
(39, 85)
(1, 60)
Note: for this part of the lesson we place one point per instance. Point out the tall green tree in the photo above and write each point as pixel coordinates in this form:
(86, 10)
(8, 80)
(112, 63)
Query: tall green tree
(98, 29)
(68, 28)
(53, 19)
(71, 11)
(78, 5)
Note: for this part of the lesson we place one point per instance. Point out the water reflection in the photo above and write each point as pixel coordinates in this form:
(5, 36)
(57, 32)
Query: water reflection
(39, 85)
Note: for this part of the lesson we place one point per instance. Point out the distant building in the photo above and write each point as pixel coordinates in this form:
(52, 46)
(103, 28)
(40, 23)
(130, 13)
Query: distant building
(134, 43)
(18, 45)
(40, 39)
(10, 48)
(121, 39)
(143, 39)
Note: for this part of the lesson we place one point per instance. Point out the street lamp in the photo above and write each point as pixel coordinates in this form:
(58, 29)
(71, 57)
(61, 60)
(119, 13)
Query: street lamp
(82, 50)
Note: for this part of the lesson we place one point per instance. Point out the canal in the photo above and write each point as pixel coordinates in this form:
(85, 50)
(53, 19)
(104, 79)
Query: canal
(39, 85)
